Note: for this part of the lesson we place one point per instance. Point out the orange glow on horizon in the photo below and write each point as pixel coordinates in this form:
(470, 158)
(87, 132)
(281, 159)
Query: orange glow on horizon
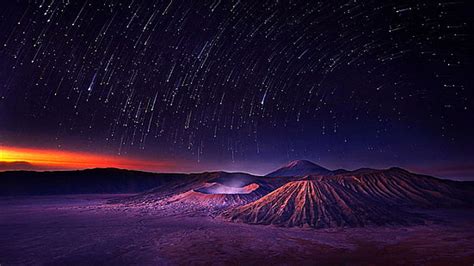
(55, 159)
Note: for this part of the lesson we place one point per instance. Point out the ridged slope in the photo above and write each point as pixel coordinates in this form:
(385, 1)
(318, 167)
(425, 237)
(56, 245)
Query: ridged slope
(317, 204)
(360, 198)
(398, 187)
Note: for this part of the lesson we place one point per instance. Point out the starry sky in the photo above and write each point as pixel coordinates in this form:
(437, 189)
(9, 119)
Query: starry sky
(242, 85)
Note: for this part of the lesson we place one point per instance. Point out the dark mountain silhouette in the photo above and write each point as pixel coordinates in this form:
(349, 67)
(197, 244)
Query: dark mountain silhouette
(300, 168)
(100, 180)
(340, 171)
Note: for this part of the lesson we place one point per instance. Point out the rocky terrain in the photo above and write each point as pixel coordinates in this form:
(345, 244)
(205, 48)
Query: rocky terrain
(364, 197)
(85, 230)
(318, 204)
(354, 199)
(300, 194)
(297, 214)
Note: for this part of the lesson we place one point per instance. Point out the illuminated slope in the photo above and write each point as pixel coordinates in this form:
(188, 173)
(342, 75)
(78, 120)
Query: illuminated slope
(360, 198)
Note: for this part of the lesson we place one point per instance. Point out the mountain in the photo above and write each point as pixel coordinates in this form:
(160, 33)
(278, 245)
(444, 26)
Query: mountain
(215, 196)
(90, 181)
(322, 199)
(209, 190)
(112, 180)
(360, 198)
(312, 203)
(300, 168)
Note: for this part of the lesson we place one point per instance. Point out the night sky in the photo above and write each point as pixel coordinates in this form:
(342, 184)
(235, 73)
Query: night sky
(242, 85)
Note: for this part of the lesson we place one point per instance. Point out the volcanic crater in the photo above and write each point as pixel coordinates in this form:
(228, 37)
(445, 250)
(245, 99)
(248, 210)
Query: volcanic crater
(304, 194)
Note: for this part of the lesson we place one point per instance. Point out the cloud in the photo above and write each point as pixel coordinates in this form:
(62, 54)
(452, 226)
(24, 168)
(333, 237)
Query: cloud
(18, 165)
(15, 158)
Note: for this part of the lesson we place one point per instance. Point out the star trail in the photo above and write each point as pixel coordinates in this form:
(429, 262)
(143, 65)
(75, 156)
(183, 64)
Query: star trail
(346, 83)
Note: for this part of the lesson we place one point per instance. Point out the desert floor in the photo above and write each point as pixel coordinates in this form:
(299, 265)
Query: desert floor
(68, 230)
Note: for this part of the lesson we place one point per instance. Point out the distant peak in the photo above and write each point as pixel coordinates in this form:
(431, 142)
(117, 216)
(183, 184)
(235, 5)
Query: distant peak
(300, 168)
(296, 163)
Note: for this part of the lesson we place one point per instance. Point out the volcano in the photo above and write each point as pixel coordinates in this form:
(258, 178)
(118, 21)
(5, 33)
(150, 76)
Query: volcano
(287, 197)
(312, 203)
(353, 199)
(300, 168)
(211, 191)
(218, 196)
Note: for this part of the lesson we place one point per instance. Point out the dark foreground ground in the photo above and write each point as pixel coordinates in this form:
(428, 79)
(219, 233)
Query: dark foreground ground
(68, 230)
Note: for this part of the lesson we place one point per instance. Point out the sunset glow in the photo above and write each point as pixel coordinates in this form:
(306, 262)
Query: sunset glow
(54, 159)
